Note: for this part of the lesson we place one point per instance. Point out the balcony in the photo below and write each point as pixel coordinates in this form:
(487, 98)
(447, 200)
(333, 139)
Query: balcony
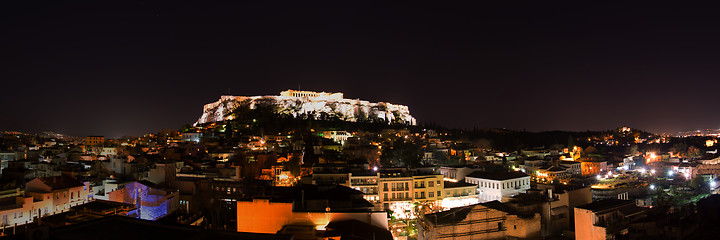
(400, 199)
(363, 184)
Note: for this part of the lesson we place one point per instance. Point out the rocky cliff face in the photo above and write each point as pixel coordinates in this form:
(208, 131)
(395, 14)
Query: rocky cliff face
(351, 110)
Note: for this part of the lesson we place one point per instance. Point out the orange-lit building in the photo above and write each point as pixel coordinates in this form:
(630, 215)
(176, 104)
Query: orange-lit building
(606, 219)
(94, 140)
(552, 173)
(63, 191)
(307, 209)
(590, 168)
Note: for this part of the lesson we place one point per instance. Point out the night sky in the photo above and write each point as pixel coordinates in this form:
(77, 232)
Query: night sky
(119, 68)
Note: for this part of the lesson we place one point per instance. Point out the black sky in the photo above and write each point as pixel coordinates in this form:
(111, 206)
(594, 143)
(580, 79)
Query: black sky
(130, 67)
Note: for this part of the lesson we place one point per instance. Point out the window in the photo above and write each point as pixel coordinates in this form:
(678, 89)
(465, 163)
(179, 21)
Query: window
(431, 194)
(407, 196)
(431, 184)
(500, 228)
(438, 193)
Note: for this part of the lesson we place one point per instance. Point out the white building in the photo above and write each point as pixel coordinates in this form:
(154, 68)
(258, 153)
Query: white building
(191, 137)
(337, 136)
(496, 185)
(367, 184)
(109, 151)
(456, 173)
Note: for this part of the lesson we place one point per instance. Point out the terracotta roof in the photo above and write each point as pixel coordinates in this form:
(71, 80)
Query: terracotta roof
(61, 182)
(555, 169)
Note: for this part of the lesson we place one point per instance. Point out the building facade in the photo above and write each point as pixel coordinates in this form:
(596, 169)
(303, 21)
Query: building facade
(479, 221)
(493, 186)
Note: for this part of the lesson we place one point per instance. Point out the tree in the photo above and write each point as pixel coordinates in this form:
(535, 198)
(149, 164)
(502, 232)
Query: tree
(401, 153)
(680, 149)
(294, 165)
(441, 157)
(590, 150)
(698, 183)
(693, 152)
(632, 150)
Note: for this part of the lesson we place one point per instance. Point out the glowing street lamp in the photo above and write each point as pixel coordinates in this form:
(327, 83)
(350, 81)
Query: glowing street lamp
(652, 187)
(713, 184)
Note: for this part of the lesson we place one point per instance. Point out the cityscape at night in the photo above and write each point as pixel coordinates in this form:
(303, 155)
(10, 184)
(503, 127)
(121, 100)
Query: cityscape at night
(357, 120)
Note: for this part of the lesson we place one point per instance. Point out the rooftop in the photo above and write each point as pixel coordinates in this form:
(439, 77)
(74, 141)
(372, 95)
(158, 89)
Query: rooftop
(354, 229)
(449, 184)
(497, 175)
(555, 169)
(123, 228)
(606, 204)
(61, 182)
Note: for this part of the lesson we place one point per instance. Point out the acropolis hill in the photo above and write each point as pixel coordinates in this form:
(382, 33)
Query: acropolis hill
(312, 105)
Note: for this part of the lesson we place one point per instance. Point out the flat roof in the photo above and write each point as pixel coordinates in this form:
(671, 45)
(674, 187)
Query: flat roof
(605, 204)
(449, 184)
(497, 175)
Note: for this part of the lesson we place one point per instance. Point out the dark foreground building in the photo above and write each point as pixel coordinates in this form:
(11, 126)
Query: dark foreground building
(123, 228)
